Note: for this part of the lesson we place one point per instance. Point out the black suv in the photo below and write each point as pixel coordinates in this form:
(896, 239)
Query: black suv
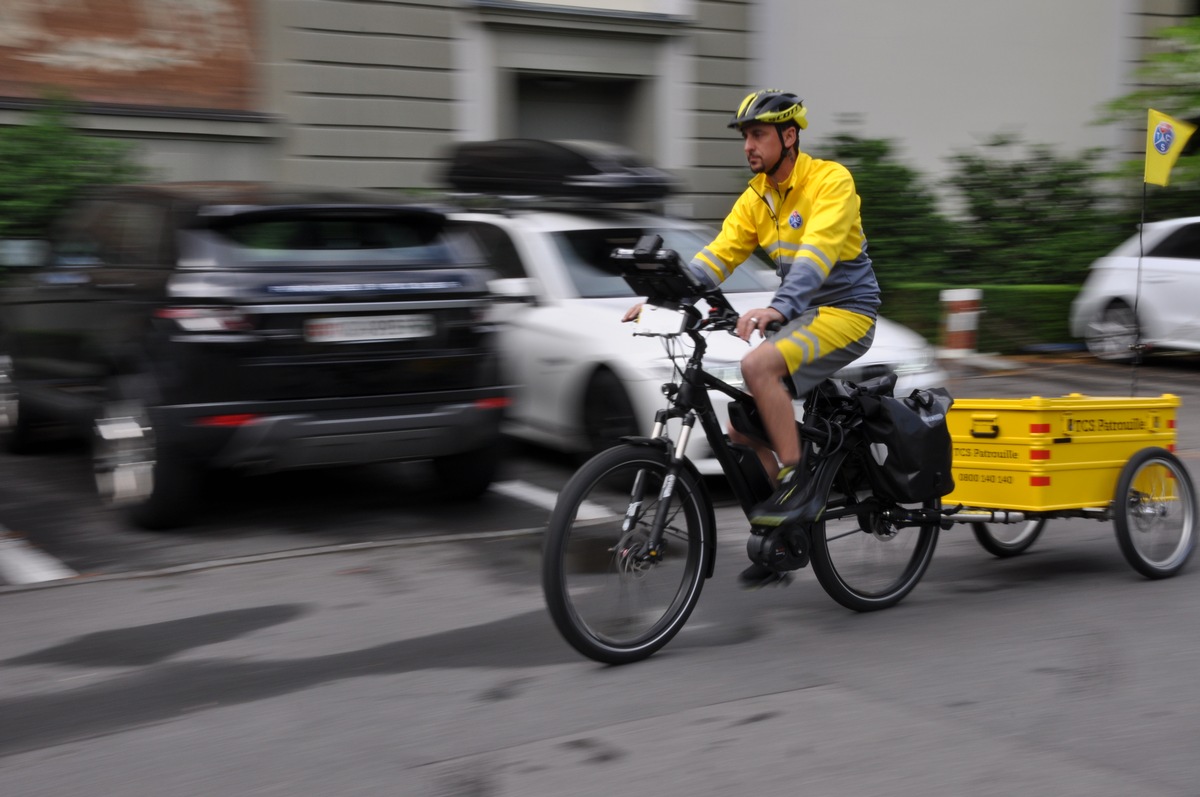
(251, 326)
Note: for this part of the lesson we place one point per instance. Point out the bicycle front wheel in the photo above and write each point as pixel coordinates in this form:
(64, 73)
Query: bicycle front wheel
(862, 558)
(609, 599)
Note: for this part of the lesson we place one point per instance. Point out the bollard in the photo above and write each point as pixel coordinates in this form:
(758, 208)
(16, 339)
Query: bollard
(960, 313)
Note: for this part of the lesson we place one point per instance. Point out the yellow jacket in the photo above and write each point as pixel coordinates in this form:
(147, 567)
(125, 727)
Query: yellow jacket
(811, 228)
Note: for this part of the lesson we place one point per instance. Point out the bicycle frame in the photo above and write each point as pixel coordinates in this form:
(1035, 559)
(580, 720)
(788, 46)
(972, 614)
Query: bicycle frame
(619, 586)
(690, 401)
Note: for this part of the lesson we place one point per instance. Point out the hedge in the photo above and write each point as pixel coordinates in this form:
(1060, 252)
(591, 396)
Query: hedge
(1015, 317)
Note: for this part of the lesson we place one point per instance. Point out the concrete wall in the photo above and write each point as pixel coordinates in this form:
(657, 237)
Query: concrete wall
(365, 90)
(939, 76)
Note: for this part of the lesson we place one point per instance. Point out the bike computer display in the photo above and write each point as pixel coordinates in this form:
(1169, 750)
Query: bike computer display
(657, 273)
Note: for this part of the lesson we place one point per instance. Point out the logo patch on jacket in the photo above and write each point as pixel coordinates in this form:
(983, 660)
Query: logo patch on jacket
(795, 220)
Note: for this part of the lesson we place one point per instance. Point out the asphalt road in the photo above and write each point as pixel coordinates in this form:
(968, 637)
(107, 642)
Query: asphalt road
(429, 667)
(47, 501)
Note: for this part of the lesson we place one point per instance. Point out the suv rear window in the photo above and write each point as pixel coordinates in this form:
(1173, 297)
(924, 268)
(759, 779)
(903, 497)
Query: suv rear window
(353, 238)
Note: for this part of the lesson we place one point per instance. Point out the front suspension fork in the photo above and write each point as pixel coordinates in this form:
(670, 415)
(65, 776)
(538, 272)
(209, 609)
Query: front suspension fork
(675, 454)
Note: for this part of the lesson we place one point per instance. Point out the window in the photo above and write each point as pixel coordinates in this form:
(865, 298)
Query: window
(1183, 243)
(499, 252)
(345, 237)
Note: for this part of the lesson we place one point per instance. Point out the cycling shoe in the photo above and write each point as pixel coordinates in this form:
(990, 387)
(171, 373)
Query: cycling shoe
(796, 500)
(757, 576)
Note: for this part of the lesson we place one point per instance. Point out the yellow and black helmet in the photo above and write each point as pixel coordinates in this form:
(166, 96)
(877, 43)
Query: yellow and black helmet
(772, 107)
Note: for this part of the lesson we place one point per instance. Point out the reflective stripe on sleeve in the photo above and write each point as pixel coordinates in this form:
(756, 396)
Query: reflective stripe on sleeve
(706, 259)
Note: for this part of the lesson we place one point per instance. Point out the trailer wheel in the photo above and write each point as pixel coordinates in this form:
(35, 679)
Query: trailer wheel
(1154, 513)
(1008, 539)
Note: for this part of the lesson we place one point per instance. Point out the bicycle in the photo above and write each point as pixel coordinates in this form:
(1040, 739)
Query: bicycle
(633, 535)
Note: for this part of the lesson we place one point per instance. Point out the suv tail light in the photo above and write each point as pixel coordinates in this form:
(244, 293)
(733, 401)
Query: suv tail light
(206, 319)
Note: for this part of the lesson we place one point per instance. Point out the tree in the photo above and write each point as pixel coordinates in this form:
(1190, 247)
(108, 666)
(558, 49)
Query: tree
(909, 240)
(1169, 84)
(45, 163)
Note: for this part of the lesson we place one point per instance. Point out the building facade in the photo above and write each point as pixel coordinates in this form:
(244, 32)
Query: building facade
(942, 76)
(372, 92)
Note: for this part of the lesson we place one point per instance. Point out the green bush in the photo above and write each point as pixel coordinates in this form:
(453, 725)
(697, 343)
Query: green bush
(45, 163)
(909, 239)
(1031, 216)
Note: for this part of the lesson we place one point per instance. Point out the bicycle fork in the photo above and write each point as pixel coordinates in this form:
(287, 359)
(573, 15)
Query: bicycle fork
(653, 551)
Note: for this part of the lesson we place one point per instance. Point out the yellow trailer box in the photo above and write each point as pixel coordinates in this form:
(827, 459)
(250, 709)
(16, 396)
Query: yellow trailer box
(1045, 454)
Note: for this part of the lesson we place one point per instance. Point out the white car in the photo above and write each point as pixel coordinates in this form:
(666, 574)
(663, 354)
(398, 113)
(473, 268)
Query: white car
(1164, 290)
(582, 379)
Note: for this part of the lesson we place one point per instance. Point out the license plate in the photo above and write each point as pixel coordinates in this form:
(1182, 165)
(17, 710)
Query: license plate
(383, 327)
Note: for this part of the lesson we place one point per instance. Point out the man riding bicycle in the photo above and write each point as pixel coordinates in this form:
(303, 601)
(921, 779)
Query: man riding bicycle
(804, 213)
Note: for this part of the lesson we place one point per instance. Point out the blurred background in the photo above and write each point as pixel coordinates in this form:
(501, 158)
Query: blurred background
(992, 143)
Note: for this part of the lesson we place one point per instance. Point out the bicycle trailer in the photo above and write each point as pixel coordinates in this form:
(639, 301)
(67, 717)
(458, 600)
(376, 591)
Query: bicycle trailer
(1045, 454)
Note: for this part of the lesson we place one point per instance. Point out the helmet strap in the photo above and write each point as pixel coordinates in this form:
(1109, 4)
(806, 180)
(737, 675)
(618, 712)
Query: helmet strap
(784, 151)
(782, 156)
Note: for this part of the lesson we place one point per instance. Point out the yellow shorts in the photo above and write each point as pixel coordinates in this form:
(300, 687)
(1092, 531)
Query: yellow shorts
(821, 341)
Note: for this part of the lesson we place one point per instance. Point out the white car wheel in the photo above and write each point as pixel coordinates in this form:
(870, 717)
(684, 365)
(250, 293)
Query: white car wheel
(1112, 334)
(607, 412)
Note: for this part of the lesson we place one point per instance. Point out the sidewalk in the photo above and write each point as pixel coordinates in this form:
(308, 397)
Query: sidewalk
(973, 360)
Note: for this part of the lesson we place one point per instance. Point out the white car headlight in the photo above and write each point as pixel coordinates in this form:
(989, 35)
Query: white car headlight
(729, 373)
(662, 370)
(917, 363)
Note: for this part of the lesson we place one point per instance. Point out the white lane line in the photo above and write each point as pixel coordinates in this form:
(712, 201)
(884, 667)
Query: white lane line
(541, 497)
(21, 563)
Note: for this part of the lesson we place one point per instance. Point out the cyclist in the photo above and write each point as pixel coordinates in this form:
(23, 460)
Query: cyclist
(804, 213)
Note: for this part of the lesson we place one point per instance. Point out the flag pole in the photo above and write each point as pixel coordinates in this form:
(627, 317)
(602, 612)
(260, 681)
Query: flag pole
(1166, 138)
(1138, 347)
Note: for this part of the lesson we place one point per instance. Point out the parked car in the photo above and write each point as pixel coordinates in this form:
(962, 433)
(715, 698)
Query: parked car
(581, 380)
(251, 326)
(1146, 289)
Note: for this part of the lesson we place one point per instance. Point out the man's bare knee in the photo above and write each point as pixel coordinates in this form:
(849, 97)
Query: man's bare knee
(761, 367)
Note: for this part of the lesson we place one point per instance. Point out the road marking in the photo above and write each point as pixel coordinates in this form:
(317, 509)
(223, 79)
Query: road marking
(21, 563)
(546, 499)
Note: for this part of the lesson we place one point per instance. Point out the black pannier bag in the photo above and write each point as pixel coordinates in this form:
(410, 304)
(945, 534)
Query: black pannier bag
(910, 452)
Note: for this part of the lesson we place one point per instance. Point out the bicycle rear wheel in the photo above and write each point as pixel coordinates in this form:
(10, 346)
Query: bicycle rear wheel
(862, 558)
(607, 599)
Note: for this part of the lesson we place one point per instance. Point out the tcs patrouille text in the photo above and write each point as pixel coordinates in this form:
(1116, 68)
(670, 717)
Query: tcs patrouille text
(981, 453)
(1104, 425)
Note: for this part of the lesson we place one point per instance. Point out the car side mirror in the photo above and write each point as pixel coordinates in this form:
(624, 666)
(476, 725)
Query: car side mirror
(514, 289)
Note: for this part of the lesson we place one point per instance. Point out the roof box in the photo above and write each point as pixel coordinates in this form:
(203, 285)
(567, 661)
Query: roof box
(595, 170)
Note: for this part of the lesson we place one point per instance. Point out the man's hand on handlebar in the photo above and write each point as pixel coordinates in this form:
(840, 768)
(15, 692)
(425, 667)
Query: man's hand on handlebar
(758, 320)
(632, 313)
